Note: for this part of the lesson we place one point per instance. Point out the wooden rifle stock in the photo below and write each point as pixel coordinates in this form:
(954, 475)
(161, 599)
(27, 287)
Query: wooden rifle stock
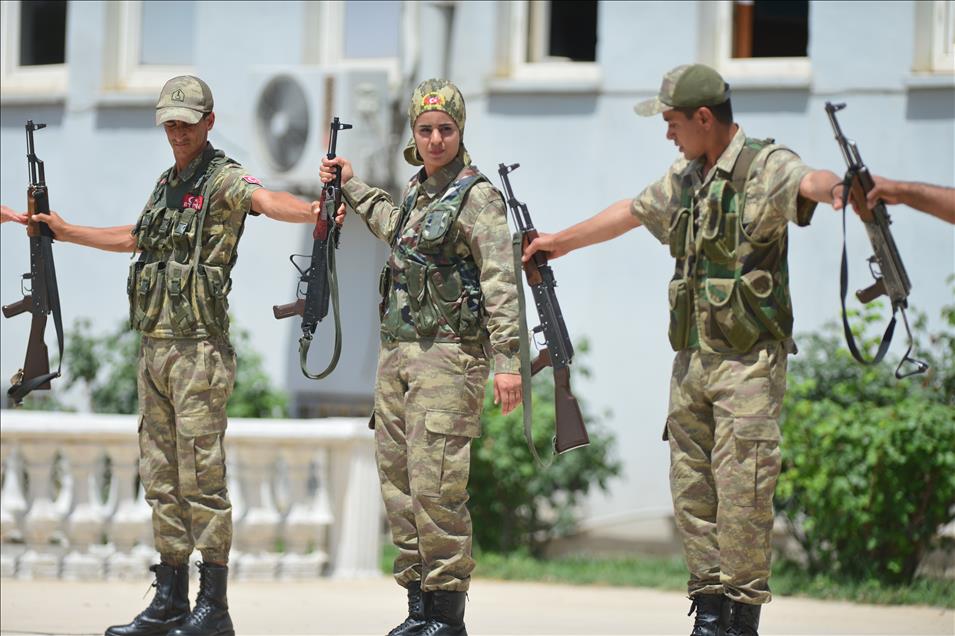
(571, 432)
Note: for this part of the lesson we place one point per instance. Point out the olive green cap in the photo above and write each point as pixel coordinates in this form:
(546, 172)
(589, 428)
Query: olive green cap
(184, 98)
(687, 86)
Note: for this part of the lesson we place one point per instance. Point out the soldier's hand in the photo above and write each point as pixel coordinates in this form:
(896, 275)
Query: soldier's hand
(507, 391)
(7, 214)
(886, 189)
(53, 220)
(546, 243)
(327, 170)
(340, 217)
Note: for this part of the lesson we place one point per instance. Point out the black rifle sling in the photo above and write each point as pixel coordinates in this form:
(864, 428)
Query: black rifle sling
(844, 289)
(331, 277)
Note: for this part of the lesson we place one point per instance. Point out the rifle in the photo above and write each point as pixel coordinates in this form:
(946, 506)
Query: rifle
(43, 297)
(318, 277)
(570, 431)
(885, 264)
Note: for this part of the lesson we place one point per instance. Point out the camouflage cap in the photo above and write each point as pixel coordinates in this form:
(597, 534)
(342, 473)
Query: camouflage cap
(434, 94)
(687, 86)
(184, 98)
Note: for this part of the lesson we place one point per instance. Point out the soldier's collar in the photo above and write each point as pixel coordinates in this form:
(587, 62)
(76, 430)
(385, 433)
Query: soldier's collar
(727, 160)
(190, 171)
(439, 181)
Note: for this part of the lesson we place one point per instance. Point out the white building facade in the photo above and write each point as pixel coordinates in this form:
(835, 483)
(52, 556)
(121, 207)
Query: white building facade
(548, 85)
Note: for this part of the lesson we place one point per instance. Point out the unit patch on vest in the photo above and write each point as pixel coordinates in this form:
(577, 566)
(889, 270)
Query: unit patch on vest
(193, 201)
(250, 179)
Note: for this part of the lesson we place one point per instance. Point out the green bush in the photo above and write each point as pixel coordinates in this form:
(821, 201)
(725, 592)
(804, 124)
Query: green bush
(868, 461)
(517, 505)
(105, 367)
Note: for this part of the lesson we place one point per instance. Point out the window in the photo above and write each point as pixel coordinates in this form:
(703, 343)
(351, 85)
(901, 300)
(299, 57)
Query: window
(33, 50)
(139, 55)
(935, 37)
(552, 41)
(758, 38)
(355, 34)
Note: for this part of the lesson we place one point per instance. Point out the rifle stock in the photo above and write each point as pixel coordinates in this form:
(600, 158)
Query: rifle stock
(570, 430)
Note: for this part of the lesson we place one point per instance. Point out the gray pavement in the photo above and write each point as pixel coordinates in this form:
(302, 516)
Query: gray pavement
(496, 608)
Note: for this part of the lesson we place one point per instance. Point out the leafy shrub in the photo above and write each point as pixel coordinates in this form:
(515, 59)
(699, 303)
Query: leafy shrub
(868, 461)
(517, 505)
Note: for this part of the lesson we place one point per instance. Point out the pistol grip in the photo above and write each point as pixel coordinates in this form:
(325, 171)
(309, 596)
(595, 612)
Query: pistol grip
(872, 292)
(288, 310)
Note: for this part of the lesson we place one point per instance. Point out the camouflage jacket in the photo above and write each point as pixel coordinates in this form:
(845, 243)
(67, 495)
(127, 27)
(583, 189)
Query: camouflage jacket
(479, 236)
(179, 287)
(730, 289)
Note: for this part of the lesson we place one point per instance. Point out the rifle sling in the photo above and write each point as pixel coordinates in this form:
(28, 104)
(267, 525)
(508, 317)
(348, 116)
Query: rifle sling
(331, 273)
(517, 243)
(844, 288)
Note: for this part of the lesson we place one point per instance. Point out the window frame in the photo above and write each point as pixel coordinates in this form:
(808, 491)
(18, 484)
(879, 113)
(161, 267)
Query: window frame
(328, 49)
(935, 54)
(124, 72)
(720, 15)
(522, 20)
(48, 80)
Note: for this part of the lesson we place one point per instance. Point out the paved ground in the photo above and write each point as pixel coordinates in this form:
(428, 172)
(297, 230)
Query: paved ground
(496, 608)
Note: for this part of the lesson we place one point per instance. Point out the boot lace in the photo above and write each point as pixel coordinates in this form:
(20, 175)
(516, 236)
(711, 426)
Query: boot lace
(204, 606)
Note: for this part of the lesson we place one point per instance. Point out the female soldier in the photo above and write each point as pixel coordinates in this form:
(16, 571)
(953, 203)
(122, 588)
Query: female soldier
(449, 299)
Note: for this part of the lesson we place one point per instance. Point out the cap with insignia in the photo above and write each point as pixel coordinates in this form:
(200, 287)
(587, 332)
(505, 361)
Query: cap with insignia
(687, 86)
(184, 98)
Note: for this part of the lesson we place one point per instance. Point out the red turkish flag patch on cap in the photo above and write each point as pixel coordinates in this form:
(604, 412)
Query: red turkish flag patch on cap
(250, 179)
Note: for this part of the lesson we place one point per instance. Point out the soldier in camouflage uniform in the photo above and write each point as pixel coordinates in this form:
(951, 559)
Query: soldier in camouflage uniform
(723, 209)
(186, 237)
(449, 298)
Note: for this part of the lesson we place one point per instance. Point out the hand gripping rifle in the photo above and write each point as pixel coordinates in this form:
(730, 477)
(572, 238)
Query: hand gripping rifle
(885, 263)
(318, 277)
(42, 297)
(570, 431)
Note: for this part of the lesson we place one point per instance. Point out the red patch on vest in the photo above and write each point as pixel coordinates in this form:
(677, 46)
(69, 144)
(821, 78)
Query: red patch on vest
(250, 179)
(193, 201)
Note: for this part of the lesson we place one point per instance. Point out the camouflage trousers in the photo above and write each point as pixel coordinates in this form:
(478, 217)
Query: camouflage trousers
(184, 386)
(428, 399)
(723, 428)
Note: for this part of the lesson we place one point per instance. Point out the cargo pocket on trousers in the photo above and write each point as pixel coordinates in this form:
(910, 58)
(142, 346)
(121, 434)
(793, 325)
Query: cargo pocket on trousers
(442, 468)
(755, 461)
(210, 463)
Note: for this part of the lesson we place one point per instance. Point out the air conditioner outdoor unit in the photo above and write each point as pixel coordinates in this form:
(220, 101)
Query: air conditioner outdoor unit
(292, 107)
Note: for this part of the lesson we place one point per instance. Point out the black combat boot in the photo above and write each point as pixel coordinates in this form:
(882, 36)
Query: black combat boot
(744, 619)
(210, 616)
(445, 612)
(417, 618)
(169, 608)
(712, 614)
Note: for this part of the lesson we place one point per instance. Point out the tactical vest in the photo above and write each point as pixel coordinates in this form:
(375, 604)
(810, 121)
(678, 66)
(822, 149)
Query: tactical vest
(172, 290)
(428, 290)
(729, 292)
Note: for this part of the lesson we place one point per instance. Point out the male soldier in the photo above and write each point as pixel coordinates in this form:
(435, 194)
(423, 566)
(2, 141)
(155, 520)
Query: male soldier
(186, 236)
(449, 297)
(939, 201)
(723, 210)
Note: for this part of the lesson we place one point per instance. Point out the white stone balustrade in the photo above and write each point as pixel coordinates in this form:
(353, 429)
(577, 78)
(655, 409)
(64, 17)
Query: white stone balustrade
(304, 492)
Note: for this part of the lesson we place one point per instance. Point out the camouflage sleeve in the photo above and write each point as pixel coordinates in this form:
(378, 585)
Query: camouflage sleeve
(484, 224)
(375, 207)
(772, 194)
(654, 206)
(232, 191)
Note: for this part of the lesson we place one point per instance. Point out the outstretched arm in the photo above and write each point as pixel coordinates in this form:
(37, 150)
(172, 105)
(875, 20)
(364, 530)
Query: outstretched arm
(110, 239)
(610, 223)
(283, 206)
(938, 201)
(7, 214)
